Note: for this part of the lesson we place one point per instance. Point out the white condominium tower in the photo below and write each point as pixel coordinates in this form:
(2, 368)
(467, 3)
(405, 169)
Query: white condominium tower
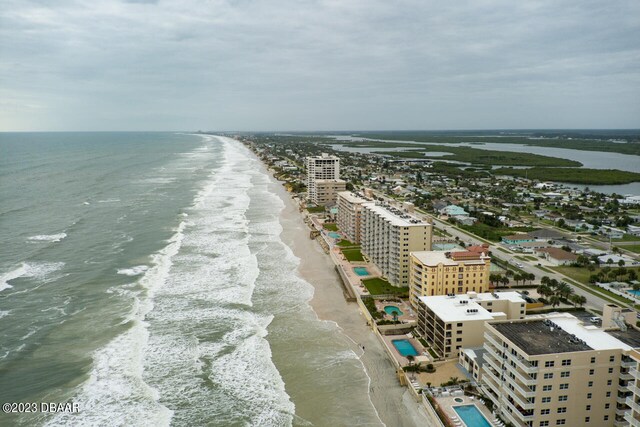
(388, 234)
(323, 167)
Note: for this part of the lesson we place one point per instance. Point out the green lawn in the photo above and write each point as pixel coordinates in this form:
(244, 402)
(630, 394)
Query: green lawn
(582, 274)
(379, 286)
(353, 254)
(345, 243)
(317, 209)
(330, 226)
(632, 248)
(627, 238)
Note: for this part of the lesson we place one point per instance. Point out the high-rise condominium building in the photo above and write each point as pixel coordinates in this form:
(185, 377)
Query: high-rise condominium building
(388, 234)
(557, 370)
(350, 215)
(323, 167)
(443, 272)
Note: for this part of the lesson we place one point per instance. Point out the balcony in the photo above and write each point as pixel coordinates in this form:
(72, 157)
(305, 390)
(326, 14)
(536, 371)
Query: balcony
(633, 389)
(524, 404)
(629, 363)
(631, 420)
(635, 373)
(630, 402)
(522, 363)
(524, 418)
(492, 340)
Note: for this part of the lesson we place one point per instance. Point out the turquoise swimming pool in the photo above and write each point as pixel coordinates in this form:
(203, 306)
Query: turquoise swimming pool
(334, 234)
(404, 347)
(471, 416)
(390, 309)
(633, 292)
(361, 271)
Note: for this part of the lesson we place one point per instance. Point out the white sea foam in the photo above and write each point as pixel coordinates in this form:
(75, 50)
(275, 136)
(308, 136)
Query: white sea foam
(133, 271)
(4, 313)
(194, 342)
(48, 237)
(37, 270)
(109, 201)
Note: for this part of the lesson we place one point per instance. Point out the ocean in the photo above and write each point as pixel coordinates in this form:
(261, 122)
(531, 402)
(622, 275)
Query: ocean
(144, 279)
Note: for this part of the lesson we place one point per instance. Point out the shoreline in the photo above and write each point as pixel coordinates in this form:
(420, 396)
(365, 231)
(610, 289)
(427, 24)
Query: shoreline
(394, 405)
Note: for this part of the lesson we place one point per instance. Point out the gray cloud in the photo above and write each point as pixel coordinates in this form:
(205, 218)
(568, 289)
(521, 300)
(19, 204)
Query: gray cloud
(303, 65)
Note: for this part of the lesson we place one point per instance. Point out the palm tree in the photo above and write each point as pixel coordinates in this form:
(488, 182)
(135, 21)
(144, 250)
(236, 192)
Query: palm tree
(545, 290)
(531, 277)
(411, 358)
(554, 300)
(516, 278)
(504, 281)
(564, 290)
(545, 280)
(578, 300)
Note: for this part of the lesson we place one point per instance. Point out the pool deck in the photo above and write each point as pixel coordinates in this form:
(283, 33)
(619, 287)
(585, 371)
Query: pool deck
(402, 360)
(447, 403)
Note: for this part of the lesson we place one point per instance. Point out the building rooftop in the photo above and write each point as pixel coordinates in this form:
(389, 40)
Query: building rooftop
(434, 258)
(559, 254)
(396, 216)
(352, 198)
(563, 333)
(452, 309)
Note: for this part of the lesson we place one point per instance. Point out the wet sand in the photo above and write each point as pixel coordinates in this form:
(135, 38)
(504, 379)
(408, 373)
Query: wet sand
(394, 404)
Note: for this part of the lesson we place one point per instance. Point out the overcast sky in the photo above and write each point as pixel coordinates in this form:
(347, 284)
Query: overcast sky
(318, 65)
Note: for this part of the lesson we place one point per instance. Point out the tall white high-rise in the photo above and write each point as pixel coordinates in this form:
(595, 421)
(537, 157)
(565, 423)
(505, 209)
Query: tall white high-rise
(321, 168)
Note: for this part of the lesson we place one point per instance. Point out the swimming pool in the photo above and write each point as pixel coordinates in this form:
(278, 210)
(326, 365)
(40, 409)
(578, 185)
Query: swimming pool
(404, 347)
(632, 292)
(333, 234)
(390, 309)
(361, 271)
(471, 416)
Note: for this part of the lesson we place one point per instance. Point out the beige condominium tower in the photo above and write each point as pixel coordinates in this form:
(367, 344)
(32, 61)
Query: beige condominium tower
(443, 273)
(349, 218)
(558, 370)
(388, 235)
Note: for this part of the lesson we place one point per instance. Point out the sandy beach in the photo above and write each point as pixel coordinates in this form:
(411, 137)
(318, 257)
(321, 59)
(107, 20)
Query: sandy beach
(393, 403)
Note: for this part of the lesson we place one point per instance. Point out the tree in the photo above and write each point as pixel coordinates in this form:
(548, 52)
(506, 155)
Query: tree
(554, 300)
(545, 280)
(411, 358)
(544, 290)
(517, 277)
(632, 275)
(504, 281)
(594, 278)
(621, 263)
(578, 300)
(564, 290)
(531, 277)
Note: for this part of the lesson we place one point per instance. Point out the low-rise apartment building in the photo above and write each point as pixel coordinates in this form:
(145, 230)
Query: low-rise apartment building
(556, 370)
(326, 191)
(388, 235)
(451, 322)
(444, 272)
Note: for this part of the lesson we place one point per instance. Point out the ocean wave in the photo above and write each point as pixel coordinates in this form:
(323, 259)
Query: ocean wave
(37, 270)
(133, 271)
(48, 237)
